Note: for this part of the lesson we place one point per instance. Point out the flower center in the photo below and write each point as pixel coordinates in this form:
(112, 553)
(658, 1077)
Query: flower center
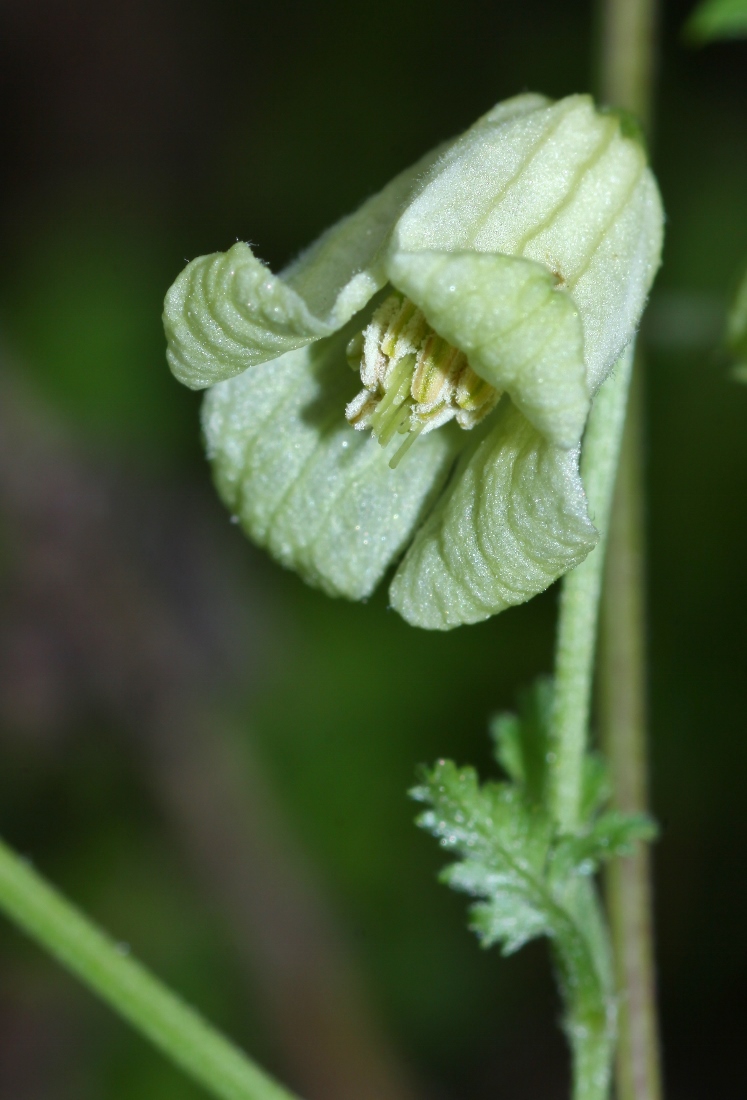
(413, 380)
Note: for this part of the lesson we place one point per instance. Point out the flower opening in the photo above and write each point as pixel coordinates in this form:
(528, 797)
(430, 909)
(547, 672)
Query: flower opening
(413, 380)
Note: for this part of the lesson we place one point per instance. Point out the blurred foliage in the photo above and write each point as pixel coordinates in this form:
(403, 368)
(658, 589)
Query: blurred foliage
(83, 309)
(718, 19)
(736, 331)
(141, 136)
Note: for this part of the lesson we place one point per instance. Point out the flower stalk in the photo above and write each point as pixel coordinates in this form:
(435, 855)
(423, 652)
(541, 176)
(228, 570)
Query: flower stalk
(580, 596)
(110, 972)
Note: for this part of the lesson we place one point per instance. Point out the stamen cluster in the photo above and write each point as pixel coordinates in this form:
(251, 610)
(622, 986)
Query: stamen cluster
(413, 380)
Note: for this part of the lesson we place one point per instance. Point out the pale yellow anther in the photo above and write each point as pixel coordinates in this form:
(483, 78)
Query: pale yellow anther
(473, 392)
(436, 372)
(398, 326)
(414, 381)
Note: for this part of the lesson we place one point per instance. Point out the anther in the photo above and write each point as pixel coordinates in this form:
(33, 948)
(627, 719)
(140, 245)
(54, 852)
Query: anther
(414, 381)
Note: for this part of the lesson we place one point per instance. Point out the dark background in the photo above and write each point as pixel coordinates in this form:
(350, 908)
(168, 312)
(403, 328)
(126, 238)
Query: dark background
(211, 758)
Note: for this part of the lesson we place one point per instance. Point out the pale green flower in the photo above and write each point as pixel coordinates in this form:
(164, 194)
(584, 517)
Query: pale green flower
(481, 298)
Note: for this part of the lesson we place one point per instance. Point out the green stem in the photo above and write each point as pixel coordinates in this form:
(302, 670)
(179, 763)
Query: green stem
(628, 52)
(622, 714)
(584, 967)
(173, 1027)
(579, 600)
(627, 55)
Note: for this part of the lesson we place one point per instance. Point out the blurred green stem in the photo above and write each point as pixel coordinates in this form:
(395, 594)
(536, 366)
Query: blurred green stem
(627, 54)
(579, 600)
(177, 1030)
(622, 720)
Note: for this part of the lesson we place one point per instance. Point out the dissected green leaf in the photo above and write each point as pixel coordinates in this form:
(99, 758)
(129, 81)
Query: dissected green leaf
(508, 918)
(506, 859)
(504, 845)
(490, 825)
(531, 880)
(612, 834)
(717, 19)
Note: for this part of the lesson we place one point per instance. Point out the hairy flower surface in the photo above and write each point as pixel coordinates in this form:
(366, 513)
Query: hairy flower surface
(480, 299)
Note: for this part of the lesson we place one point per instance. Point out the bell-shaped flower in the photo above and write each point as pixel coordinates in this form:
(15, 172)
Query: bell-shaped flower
(480, 299)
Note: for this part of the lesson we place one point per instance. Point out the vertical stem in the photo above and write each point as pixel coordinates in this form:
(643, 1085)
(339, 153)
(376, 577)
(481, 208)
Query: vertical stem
(627, 54)
(579, 600)
(622, 713)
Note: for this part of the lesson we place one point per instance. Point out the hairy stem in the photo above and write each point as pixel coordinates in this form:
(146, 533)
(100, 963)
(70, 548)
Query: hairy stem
(588, 992)
(627, 54)
(176, 1029)
(579, 600)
